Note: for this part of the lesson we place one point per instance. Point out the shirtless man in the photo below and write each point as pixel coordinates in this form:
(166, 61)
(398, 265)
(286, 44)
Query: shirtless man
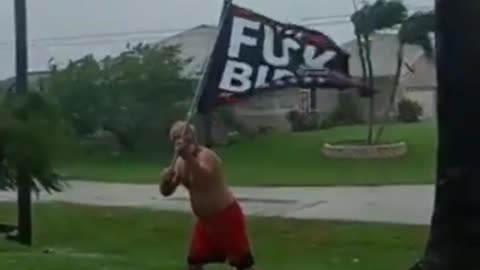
(220, 230)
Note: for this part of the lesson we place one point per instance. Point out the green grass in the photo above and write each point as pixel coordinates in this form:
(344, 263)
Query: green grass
(90, 238)
(289, 160)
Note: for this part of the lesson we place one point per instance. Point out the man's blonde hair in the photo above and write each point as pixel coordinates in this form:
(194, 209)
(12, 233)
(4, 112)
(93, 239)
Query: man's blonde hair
(178, 127)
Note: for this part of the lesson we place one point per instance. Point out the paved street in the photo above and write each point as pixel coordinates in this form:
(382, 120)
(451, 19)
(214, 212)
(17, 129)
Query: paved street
(395, 204)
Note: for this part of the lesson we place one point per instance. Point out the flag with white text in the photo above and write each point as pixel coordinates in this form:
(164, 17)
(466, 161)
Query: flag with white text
(254, 53)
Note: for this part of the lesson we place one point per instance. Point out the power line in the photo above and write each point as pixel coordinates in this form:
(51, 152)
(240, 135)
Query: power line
(98, 38)
(327, 20)
(333, 22)
(99, 35)
(347, 15)
(96, 42)
(316, 18)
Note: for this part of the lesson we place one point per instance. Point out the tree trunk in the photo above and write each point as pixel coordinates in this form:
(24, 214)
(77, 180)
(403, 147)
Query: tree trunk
(313, 100)
(371, 103)
(393, 93)
(454, 241)
(361, 53)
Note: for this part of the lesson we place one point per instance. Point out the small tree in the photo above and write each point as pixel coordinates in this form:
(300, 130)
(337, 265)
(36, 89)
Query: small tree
(368, 20)
(415, 30)
(28, 135)
(29, 131)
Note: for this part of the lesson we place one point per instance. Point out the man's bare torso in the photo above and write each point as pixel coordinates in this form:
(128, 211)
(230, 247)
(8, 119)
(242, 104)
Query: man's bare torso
(207, 196)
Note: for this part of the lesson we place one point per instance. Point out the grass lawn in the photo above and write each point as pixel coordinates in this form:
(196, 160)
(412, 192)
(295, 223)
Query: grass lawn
(289, 159)
(88, 238)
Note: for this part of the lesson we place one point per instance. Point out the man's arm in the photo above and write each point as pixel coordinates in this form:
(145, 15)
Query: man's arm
(169, 182)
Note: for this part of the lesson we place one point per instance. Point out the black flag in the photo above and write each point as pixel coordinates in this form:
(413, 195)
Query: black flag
(254, 53)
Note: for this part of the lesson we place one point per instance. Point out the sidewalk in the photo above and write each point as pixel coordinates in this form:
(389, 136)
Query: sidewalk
(391, 204)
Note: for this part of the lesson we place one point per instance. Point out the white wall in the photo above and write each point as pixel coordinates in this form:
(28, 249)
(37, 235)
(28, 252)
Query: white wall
(270, 110)
(420, 86)
(196, 44)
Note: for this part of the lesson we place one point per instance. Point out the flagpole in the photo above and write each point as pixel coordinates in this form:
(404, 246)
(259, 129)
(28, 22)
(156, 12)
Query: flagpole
(201, 84)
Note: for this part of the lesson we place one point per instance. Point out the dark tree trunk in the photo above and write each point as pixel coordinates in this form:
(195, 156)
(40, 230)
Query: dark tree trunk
(393, 93)
(313, 100)
(361, 53)
(24, 202)
(371, 99)
(454, 241)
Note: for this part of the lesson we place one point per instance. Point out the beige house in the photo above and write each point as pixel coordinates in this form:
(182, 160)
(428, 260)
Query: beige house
(270, 110)
(265, 111)
(418, 75)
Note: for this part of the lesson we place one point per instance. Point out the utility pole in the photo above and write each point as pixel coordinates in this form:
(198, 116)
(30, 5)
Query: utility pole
(24, 203)
(454, 241)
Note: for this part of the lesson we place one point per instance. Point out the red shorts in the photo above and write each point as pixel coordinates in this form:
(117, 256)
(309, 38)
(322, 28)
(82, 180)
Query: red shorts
(220, 238)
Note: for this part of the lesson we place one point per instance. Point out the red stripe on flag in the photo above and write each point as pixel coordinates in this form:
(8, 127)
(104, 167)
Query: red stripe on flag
(245, 14)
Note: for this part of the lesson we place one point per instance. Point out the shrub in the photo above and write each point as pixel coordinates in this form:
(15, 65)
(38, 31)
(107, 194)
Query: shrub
(346, 113)
(227, 116)
(409, 111)
(302, 121)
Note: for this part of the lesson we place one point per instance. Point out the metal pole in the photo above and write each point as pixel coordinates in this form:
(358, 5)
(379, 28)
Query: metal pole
(208, 120)
(24, 216)
(201, 84)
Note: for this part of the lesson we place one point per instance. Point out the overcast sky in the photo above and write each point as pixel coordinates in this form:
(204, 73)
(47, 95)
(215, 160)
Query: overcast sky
(63, 18)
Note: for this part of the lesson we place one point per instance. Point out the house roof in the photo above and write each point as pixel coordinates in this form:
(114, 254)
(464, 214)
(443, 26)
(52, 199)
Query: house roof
(195, 44)
(31, 75)
(384, 55)
(203, 29)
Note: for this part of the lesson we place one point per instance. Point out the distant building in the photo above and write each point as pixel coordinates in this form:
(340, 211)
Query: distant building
(417, 81)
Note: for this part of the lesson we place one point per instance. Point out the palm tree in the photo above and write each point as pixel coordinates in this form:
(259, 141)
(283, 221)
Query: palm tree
(368, 20)
(28, 129)
(415, 30)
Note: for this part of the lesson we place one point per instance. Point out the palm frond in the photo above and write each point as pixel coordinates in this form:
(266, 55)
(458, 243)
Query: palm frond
(416, 30)
(28, 128)
(387, 14)
(378, 16)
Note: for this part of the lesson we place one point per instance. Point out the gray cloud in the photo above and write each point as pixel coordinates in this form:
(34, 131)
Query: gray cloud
(57, 18)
